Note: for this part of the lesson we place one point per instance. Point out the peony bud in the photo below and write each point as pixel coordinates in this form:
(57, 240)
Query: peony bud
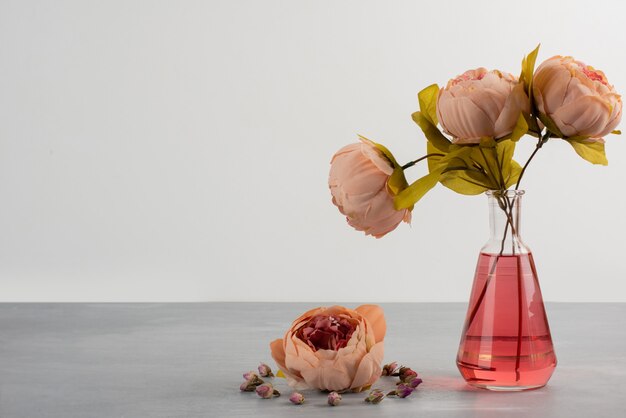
(267, 391)
(265, 370)
(389, 369)
(334, 399)
(481, 103)
(375, 396)
(402, 391)
(576, 97)
(296, 398)
(358, 183)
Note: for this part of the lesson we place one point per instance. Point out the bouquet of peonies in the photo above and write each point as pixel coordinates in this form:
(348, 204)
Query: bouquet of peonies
(472, 126)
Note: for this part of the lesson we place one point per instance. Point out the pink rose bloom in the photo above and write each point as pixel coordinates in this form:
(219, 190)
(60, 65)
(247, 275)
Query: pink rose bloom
(333, 349)
(481, 103)
(576, 97)
(358, 183)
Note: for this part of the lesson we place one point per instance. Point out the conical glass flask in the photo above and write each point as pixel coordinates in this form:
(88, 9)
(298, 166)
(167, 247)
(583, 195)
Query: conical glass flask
(506, 342)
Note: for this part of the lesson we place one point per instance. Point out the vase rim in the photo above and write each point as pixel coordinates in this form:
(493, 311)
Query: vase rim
(505, 193)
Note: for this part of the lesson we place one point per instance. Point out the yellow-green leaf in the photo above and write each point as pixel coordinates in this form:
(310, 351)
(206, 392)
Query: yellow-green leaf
(520, 129)
(397, 181)
(428, 102)
(550, 125)
(384, 150)
(528, 68)
(280, 374)
(590, 151)
(616, 132)
(514, 173)
(431, 132)
(461, 181)
(412, 194)
(487, 142)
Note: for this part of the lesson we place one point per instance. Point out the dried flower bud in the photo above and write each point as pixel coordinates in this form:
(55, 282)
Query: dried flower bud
(247, 387)
(265, 370)
(414, 382)
(406, 374)
(266, 391)
(296, 398)
(402, 391)
(389, 369)
(334, 399)
(375, 396)
(249, 375)
(251, 384)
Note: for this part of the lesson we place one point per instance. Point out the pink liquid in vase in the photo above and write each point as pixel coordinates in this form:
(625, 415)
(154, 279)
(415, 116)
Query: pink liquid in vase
(506, 342)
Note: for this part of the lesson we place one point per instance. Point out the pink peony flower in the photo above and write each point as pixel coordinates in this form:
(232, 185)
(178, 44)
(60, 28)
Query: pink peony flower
(358, 183)
(333, 348)
(481, 103)
(576, 97)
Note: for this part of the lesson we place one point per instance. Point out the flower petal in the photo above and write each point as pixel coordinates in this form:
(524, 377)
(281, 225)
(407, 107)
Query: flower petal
(376, 318)
(369, 368)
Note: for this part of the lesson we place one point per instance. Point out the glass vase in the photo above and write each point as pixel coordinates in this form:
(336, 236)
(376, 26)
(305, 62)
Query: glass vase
(506, 342)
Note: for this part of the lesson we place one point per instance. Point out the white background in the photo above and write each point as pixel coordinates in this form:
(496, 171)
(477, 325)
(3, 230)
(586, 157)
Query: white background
(179, 151)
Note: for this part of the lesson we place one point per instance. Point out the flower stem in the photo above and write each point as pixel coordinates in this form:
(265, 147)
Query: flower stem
(412, 163)
(542, 140)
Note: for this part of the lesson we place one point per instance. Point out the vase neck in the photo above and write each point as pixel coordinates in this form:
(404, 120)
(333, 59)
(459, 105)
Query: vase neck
(504, 222)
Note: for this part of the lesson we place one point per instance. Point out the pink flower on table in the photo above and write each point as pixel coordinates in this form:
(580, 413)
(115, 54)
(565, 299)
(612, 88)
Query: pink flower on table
(576, 97)
(358, 183)
(481, 103)
(333, 348)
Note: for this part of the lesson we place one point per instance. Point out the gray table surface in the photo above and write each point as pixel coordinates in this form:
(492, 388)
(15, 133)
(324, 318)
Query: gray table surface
(186, 360)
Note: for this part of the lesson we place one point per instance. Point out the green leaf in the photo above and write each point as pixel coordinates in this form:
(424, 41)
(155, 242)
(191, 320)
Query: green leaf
(412, 194)
(528, 68)
(590, 151)
(487, 142)
(431, 132)
(459, 181)
(384, 150)
(550, 125)
(616, 132)
(397, 181)
(514, 173)
(520, 129)
(463, 182)
(428, 102)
